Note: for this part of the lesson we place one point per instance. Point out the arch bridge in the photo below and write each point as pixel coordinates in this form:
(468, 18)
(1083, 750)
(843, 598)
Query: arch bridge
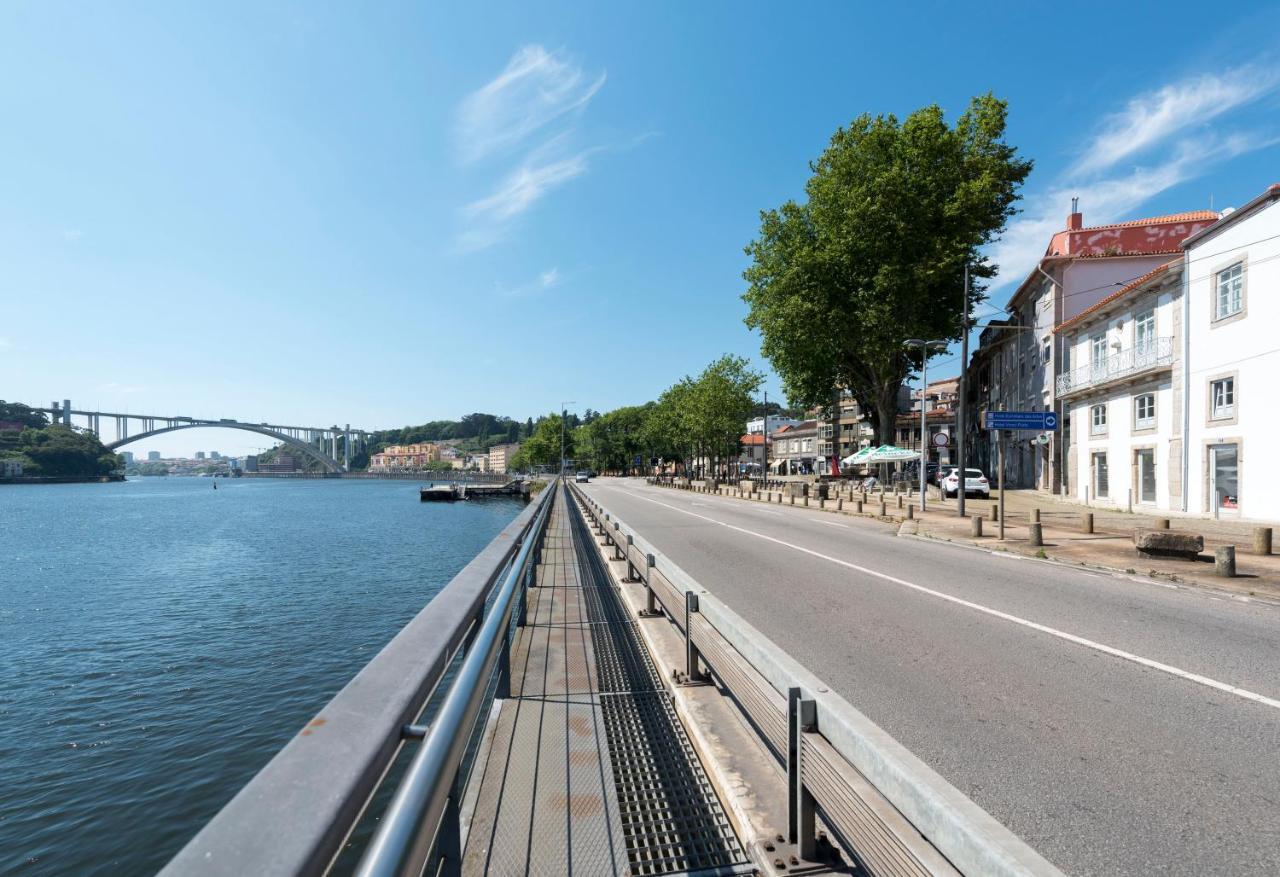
(330, 446)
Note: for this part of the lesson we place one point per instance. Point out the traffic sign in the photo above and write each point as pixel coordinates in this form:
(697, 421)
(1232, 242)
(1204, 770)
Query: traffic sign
(1037, 421)
(941, 439)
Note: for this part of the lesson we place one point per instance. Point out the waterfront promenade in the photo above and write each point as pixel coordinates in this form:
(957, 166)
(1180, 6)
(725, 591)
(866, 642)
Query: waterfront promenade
(1117, 725)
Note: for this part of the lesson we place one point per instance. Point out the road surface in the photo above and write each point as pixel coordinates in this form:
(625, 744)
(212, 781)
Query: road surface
(1119, 726)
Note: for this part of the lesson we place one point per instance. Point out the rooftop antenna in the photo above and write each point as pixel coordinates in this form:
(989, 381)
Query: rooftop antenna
(1210, 202)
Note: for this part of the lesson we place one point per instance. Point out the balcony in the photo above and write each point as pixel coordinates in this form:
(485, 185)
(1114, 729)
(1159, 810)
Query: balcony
(1130, 363)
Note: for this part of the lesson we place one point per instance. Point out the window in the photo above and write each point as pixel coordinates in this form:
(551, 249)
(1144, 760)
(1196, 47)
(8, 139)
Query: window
(1230, 293)
(1101, 487)
(1098, 420)
(1144, 411)
(1144, 332)
(1046, 353)
(1145, 462)
(1222, 395)
(1098, 350)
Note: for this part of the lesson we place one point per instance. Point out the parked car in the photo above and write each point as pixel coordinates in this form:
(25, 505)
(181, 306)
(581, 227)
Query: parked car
(975, 484)
(582, 477)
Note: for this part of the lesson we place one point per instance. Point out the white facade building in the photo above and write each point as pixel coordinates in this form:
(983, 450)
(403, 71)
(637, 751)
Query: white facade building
(1232, 310)
(1123, 394)
(755, 426)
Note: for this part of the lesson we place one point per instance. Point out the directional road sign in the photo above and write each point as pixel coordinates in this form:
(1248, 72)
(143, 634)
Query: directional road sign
(1038, 421)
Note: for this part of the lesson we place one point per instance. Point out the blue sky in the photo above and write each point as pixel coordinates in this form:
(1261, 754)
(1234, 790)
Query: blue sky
(313, 214)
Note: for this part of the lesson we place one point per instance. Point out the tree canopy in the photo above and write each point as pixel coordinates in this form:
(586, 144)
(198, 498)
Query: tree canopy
(876, 253)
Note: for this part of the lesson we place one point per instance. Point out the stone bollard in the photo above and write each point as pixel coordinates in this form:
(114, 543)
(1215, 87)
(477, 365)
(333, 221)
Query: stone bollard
(1035, 535)
(899, 500)
(1224, 561)
(822, 503)
(911, 511)
(1262, 540)
(975, 525)
(839, 503)
(806, 500)
(793, 499)
(883, 510)
(1160, 524)
(995, 511)
(857, 506)
(1035, 516)
(1086, 522)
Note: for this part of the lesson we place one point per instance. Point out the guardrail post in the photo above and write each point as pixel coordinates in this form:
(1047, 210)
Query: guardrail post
(802, 716)
(632, 574)
(650, 607)
(449, 845)
(503, 691)
(692, 657)
(617, 549)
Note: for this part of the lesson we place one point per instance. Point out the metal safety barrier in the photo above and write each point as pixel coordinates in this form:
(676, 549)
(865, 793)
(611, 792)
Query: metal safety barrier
(837, 760)
(296, 814)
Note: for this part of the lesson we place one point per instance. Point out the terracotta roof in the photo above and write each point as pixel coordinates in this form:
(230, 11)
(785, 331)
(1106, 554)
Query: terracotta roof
(1269, 194)
(1119, 293)
(1188, 216)
(1130, 253)
(752, 438)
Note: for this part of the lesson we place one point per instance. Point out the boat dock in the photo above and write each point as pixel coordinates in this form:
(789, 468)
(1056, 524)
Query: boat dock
(454, 492)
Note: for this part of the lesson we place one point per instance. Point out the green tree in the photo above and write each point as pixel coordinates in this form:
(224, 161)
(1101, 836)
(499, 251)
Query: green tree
(63, 450)
(876, 254)
(543, 447)
(16, 412)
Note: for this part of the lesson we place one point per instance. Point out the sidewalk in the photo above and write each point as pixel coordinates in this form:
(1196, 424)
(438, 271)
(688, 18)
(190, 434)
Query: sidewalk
(1109, 547)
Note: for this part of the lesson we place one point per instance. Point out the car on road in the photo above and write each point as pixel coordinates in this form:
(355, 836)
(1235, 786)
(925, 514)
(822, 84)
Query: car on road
(975, 484)
(582, 477)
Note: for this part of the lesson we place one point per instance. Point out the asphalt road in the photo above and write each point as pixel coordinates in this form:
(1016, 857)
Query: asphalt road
(1119, 726)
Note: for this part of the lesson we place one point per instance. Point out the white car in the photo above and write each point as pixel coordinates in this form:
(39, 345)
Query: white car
(975, 484)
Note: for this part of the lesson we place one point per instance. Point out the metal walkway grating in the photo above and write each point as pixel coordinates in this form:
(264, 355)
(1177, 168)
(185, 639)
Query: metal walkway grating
(672, 820)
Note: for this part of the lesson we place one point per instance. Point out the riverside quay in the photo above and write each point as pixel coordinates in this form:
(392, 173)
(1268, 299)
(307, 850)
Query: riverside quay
(646, 678)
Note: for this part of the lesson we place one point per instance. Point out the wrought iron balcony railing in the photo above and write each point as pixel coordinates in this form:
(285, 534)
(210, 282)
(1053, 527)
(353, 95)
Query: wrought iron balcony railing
(1126, 363)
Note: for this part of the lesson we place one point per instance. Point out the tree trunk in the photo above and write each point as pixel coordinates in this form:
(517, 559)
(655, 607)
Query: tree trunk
(887, 412)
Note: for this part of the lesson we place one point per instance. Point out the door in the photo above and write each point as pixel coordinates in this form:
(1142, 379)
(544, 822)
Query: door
(1224, 474)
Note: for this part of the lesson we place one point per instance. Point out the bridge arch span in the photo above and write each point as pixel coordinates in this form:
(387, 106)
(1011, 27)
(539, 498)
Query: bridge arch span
(307, 450)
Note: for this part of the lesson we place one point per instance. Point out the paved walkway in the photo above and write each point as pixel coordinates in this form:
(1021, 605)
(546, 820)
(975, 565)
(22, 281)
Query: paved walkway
(588, 771)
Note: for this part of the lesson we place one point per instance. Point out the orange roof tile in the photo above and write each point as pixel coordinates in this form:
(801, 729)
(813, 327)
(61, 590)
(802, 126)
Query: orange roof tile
(1188, 216)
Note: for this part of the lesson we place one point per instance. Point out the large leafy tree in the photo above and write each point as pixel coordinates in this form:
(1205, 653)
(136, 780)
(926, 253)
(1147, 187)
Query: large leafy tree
(875, 255)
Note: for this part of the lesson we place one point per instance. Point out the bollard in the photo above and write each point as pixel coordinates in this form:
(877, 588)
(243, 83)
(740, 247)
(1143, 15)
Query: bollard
(883, 510)
(793, 499)
(911, 512)
(822, 503)
(806, 500)
(1035, 516)
(975, 525)
(899, 500)
(1035, 534)
(1086, 522)
(1224, 561)
(1160, 524)
(857, 506)
(1262, 540)
(839, 503)
(995, 511)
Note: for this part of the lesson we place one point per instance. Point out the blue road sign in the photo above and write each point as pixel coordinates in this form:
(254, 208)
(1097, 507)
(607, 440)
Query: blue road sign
(1038, 421)
(639, 460)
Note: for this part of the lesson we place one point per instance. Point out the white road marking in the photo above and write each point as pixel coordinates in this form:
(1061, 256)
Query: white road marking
(834, 524)
(1004, 616)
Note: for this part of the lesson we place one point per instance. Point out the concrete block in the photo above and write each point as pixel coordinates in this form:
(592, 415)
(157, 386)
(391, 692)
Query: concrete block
(1035, 535)
(1224, 561)
(1168, 543)
(1262, 540)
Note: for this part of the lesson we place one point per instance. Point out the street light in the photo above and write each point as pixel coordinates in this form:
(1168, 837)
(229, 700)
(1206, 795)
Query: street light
(564, 415)
(925, 347)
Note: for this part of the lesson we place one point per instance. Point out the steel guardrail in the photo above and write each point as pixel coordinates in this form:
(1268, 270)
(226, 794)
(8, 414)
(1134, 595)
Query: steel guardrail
(830, 749)
(294, 816)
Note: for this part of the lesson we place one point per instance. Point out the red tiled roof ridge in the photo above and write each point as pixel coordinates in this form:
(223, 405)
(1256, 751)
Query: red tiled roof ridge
(1186, 216)
(1128, 287)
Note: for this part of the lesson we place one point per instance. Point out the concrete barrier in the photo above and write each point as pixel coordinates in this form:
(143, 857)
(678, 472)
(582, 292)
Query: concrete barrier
(1224, 561)
(1262, 540)
(1034, 534)
(1168, 543)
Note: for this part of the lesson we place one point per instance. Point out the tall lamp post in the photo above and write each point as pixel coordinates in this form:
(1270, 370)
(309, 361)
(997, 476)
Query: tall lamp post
(564, 416)
(925, 348)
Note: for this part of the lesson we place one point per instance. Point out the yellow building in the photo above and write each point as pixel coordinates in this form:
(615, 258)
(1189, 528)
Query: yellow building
(398, 458)
(500, 457)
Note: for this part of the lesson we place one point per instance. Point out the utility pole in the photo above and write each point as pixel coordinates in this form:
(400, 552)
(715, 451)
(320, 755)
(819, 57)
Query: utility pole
(764, 470)
(964, 389)
(925, 347)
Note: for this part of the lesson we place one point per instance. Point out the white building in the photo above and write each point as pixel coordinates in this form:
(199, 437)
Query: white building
(1122, 395)
(1231, 312)
(755, 426)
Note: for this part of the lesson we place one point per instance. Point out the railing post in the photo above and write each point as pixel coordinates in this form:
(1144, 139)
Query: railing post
(650, 607)
(802, 716)
(632, 574)
(449, 845)
(617, 549)
(692, 658)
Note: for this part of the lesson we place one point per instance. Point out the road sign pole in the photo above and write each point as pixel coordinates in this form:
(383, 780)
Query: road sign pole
(1000, 478)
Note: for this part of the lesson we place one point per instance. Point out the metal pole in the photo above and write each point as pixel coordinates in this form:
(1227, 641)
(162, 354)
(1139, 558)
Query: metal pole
(963, 387)
(924, 422)
(764, 471)
(1000, 476)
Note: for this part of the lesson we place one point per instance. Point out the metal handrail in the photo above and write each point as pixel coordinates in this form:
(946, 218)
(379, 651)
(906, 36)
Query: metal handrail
(409, 829)
(1130, 361)
(295, 814)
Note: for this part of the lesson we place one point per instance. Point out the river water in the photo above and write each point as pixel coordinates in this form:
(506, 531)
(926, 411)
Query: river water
(160, 640)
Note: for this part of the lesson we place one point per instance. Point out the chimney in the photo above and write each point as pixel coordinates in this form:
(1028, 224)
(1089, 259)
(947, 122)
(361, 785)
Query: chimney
(1075, 221)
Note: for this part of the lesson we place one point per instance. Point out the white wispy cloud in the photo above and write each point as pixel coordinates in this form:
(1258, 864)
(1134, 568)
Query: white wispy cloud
(536, 88)
(1153, 117)
(1158, 123)
(545, 280)
(524, 186)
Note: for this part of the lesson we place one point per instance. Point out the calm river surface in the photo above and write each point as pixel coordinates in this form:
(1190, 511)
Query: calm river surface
(160, 641)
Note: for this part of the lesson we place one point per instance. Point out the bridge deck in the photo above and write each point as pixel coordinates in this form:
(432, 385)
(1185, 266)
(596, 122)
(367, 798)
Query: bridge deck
(588, 770)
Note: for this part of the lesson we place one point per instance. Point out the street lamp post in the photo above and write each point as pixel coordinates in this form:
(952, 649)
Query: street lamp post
(925, 347)
(564, 416)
